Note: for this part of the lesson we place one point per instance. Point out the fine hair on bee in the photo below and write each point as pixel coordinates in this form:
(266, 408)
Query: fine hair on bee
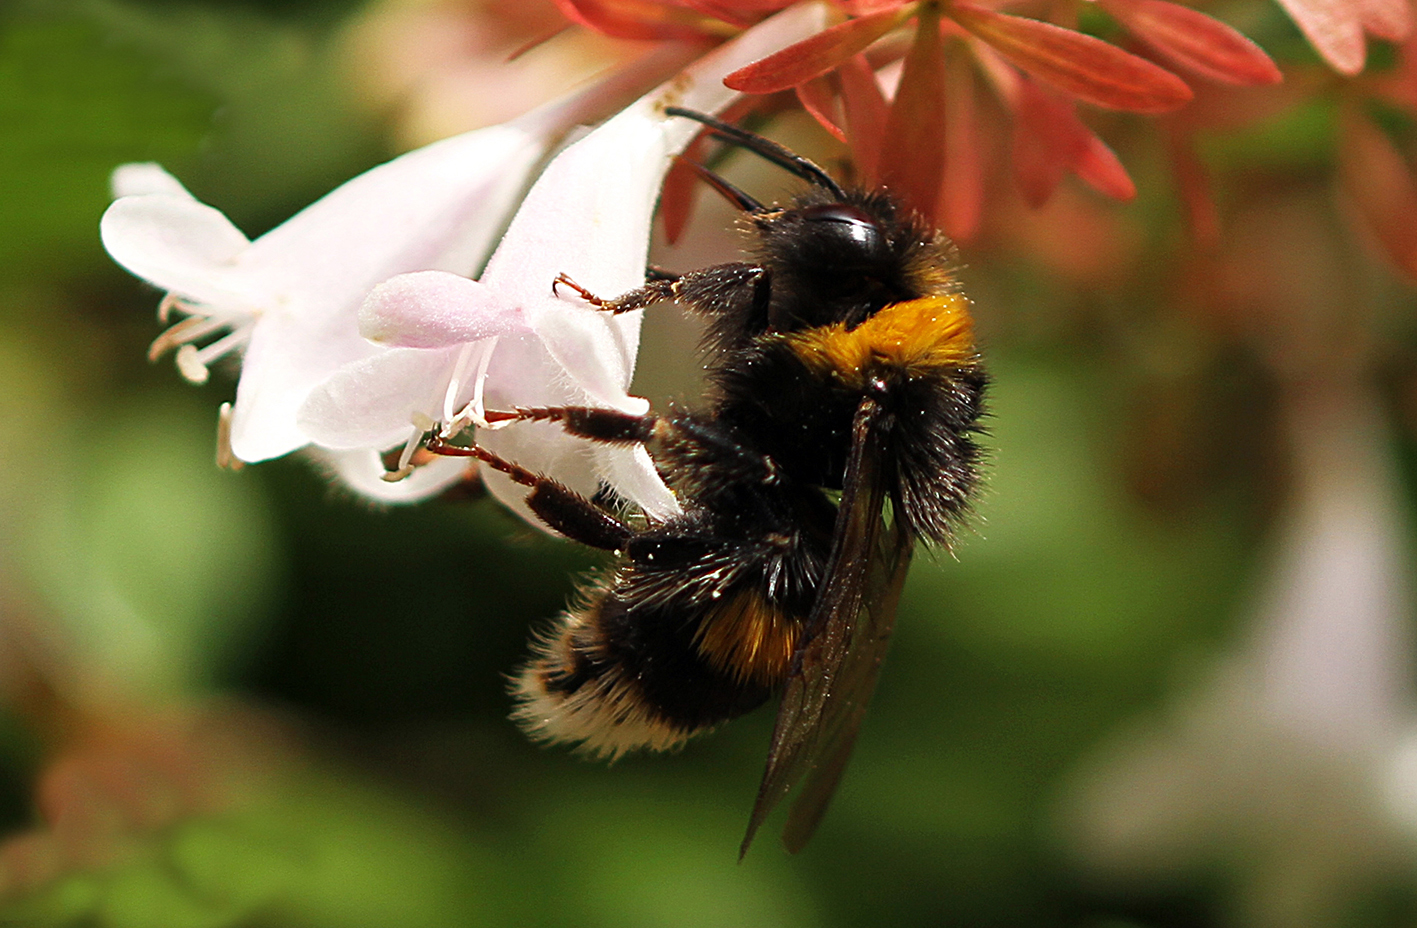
(839, 427)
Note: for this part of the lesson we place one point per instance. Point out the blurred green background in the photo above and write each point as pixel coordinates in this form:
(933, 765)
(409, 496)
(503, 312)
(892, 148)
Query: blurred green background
(238, 699)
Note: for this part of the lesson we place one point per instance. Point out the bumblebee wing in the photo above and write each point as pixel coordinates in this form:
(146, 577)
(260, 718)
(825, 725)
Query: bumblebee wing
(847, 634)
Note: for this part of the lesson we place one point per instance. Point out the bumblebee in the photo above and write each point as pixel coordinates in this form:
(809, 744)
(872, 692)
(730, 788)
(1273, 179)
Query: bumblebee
(839, 427)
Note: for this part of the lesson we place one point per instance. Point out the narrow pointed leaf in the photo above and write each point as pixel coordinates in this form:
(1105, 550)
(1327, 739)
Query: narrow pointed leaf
(962, 195)
(1100, 168)
(1195, 41)
(1086, 67)
(867, 7)
(866, 108)
(913, 163)
(1048, 138)
(818, 97)
(815, 56)
(1193, 184)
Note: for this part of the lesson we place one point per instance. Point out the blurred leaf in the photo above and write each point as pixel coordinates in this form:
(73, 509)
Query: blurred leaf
(158, 564)
(315, 851)
(72, 107)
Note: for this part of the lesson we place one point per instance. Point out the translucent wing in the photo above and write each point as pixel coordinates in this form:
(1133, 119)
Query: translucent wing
(847, 635)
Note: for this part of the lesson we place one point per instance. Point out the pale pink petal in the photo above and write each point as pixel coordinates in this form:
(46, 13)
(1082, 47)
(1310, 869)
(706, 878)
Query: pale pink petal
(176, 244)
(363, 472)
(435, 309)
(1334, 28)
(373, 403)
(142, 178)
(589, 213)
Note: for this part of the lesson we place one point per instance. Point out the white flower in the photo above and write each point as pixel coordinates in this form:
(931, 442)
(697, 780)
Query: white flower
(1289, 761)
(459, 346)
(289, 300)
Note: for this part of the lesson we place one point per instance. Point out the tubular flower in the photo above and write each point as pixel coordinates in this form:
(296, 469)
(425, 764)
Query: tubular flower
(288, 301)
(457, 346)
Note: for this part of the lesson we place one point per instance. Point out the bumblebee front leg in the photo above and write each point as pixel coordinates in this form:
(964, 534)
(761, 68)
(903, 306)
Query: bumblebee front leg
(737, 289)
(561, 508)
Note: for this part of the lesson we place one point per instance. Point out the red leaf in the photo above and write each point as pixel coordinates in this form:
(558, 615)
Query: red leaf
(866, 111)
(1195, 41)
(816, 55)
(640, 19)
(1193, 183)
(961, 202)
(1100, 168)
(1377, 179)
(1334, 28)
(819, 99)
(676, 197)
(1078, 64)
(1048, 139)
(865, 7)
(913, 163)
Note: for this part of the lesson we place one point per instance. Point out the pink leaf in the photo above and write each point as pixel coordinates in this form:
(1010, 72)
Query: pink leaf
(814, 56)
(1386, 19)
(913, 163)
(1078, 64)
(1334, 28)
(640, 19)
(1195, 41)
(1377, 179)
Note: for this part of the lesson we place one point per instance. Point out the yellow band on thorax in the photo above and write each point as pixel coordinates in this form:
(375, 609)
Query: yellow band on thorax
(932, 333)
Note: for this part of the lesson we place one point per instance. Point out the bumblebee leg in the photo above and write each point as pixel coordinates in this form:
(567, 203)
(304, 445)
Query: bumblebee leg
(561, 508)
(666, 438)
(738, 289)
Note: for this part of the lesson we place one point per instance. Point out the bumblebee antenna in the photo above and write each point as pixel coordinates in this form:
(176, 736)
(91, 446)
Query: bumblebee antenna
(763, 148)
(728, 191)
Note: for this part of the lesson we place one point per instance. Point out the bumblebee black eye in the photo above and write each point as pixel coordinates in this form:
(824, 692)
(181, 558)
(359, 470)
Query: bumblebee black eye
(847, 223)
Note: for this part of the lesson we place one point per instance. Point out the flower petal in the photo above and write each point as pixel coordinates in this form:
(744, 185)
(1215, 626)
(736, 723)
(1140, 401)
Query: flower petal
(815, 56)
(435, 309)
(437, 208)
(142, 178)
(363, 472)
(175, 244)
(1086, 67)
(372, 403)
(1333, 28)
(589, 213)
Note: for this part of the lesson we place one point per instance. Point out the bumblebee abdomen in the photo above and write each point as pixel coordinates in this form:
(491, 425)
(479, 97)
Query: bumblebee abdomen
(615, 675)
